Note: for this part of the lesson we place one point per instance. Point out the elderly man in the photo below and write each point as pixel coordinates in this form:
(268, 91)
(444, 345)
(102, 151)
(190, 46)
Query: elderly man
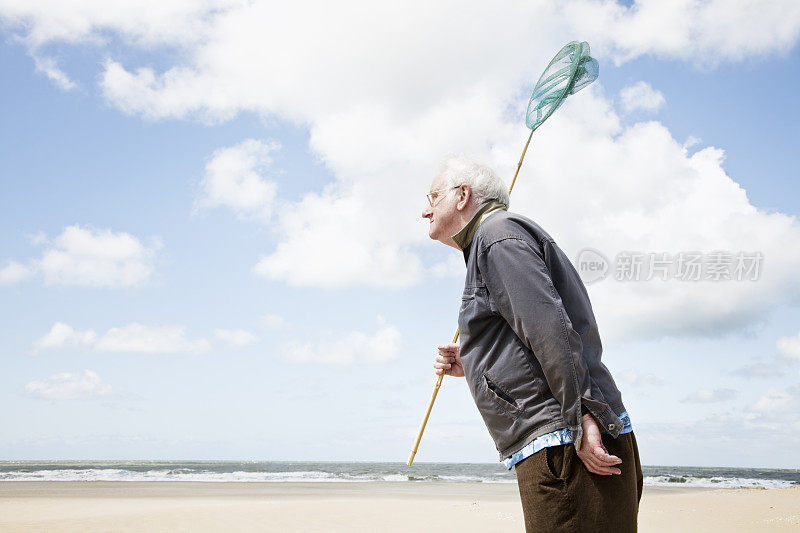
(530, 352)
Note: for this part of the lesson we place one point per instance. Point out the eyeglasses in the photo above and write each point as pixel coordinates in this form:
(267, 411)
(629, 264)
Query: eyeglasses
(433, 195)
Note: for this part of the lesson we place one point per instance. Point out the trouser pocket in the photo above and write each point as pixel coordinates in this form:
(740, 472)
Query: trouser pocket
(556, 459)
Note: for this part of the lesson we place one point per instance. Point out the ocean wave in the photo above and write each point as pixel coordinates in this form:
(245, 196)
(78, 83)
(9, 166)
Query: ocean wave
(718, 482)
(109, 474)
(184, 474)
(264, 472)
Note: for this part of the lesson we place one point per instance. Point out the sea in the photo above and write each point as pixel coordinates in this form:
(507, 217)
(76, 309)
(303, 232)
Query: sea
(287, 471)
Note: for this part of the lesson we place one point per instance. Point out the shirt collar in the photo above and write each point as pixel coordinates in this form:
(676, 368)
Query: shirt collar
(464, 237)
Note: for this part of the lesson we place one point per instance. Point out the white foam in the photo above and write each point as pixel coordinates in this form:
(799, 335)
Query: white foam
(715, 482)
(111, 474)
(189, 474)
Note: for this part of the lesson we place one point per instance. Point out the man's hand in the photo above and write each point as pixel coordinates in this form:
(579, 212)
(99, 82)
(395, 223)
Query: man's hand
(593, 454)
(449, 361)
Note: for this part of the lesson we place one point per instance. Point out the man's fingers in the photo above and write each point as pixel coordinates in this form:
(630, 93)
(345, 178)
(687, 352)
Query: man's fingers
(442, 365)
(603, 457)
(443, 362)
(605, 451)
(589, 461)
(447, 360)
(606, 471)
(596, 467)
(601, 470)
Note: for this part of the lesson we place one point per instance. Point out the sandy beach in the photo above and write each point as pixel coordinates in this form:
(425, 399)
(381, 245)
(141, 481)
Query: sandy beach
(356, 507)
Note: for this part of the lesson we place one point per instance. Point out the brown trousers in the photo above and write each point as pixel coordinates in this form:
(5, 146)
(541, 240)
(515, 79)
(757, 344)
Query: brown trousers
(560, 495)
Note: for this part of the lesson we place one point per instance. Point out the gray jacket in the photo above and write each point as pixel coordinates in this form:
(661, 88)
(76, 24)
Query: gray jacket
(529, 341)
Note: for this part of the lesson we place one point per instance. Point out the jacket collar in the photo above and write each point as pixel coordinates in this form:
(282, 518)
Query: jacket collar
(464, 237)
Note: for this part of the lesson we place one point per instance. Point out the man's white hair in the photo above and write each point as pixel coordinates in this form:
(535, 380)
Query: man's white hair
(486, 185)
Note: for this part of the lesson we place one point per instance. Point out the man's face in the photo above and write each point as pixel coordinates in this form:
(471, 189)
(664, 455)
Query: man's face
(443, 215)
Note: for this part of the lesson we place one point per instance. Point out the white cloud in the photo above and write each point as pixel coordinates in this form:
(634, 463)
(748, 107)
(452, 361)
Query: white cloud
(234, 179)
(696, 30)
(759, 370)
(235, 337)
(62, 335)
(690, 142)
(14, 272)
(96, 258)
(49, 67)
(38, 238)
(273, 321)
(381, 346)
(647, 194)
(776, 403)
(789, 347)
(87, 257)
(708, 396)
(453, 265)
(329, 242)
(150, 339)
(639, 379)
(641, 97)
(146, 22)
(133, 337)
(68, 386)
(701, 32)
(728, 435)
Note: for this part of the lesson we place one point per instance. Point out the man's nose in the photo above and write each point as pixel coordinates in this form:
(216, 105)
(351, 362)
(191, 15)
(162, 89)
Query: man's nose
(427, 212)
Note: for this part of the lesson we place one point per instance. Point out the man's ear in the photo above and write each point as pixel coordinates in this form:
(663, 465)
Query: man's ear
(465, 194)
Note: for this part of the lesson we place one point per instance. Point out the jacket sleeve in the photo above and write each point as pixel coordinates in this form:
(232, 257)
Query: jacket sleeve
(520, 285)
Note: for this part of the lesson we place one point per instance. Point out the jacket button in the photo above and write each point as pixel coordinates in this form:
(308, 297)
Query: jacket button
(611, 427)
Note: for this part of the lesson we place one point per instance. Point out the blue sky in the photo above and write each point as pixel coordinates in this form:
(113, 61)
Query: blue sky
(180, 347)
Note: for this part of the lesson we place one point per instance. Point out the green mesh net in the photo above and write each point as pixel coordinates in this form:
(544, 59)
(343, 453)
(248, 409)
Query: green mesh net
(570, 70)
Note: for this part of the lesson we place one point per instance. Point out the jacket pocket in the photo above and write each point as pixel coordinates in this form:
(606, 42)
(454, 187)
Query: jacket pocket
(500, 396)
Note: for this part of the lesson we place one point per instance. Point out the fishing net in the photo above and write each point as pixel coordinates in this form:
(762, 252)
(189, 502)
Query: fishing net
(570, 70)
